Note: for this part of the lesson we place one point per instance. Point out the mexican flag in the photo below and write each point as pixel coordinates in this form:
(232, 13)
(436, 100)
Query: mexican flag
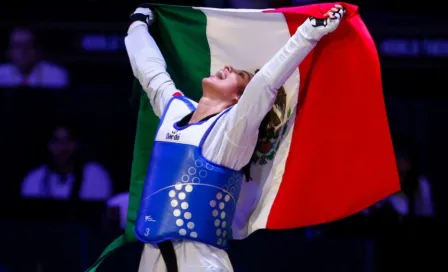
(330, 154)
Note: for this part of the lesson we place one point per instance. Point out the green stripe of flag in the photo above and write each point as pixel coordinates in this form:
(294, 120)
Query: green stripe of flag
(181, 35)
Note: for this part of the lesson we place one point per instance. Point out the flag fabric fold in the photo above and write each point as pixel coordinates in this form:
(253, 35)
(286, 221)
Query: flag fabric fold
(330, 155)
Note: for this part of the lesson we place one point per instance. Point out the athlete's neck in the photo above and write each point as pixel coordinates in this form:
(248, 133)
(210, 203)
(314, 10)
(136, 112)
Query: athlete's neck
(207, 107)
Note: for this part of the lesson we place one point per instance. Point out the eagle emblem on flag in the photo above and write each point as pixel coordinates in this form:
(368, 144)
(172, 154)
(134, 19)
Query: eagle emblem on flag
(272, 129)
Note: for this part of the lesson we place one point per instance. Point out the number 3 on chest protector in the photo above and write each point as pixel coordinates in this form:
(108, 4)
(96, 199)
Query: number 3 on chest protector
(146, 231)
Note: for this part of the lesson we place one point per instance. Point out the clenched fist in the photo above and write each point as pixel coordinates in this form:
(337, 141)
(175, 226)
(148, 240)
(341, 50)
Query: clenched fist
(143, 14)
(314, 28)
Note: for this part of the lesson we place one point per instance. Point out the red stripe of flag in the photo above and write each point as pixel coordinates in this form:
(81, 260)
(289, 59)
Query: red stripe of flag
(341, 158)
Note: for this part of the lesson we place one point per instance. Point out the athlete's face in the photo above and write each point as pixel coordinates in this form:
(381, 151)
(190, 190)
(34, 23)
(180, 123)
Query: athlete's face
(228, 83)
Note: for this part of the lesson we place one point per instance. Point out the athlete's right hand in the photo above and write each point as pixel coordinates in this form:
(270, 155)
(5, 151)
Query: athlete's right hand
(315, 28)
(143, 14)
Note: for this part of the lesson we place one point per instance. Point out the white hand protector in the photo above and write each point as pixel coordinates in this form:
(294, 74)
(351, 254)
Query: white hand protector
(315, 29)
(143, 14)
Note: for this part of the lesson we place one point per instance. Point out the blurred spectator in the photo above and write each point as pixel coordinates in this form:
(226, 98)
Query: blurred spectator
(415, 197)
(27, 67)
(66, 174)
(118, 208)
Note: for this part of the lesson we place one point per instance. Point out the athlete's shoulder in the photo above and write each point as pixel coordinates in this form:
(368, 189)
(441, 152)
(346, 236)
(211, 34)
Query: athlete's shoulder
(184, 99)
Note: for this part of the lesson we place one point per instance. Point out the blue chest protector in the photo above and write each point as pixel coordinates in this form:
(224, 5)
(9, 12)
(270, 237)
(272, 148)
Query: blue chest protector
(185, 196)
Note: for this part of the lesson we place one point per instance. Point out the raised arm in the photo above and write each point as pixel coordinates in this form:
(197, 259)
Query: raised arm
(261, 92)
(147, 62)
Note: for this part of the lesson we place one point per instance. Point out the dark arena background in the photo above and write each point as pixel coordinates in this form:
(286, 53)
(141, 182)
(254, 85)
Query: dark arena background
(84, 42)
